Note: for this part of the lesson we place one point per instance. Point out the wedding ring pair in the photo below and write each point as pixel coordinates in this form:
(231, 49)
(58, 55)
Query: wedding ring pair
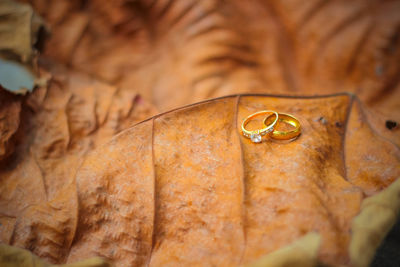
(272, 119)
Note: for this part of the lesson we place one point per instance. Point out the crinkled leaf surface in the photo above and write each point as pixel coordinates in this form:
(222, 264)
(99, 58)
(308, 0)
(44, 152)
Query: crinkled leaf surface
(44, 137)
(183, 51)
(10, 108)
(186, 188)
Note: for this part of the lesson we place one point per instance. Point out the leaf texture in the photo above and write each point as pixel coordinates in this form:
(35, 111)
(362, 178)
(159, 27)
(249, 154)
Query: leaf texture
(43, 140)
(10, 108)
(186, 188)
(179, 52)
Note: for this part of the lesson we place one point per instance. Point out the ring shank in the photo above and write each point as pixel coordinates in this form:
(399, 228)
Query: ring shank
(267, 127)
(285, 135)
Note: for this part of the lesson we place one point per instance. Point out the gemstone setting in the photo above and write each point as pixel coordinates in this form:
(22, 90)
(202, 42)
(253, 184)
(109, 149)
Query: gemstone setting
(255, 138)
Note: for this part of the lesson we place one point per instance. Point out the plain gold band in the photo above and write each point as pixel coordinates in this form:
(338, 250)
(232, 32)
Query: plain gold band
(285, 135)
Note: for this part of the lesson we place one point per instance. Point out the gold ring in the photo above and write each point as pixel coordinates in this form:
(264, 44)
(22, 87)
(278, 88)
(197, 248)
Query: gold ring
(255, 136)
(284, 135)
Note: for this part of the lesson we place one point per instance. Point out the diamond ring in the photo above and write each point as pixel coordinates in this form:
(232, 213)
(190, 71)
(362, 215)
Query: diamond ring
(256, 135)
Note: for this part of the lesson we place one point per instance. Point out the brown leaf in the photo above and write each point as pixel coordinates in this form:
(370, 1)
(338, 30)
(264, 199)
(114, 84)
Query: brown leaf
(53, 129)
(302, 253)
(20, 28)
(10, 108)
(377, 216)
(186, 188)
(180, 52)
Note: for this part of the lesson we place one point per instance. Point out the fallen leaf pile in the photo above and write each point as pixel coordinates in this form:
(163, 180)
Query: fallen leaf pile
(90, 168)
(176, 52)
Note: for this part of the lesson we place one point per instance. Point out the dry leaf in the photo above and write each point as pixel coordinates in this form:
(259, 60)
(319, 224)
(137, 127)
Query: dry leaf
(302, 253)
(199, 192)
(16, 257)
(377, 216)
(10, 109)
(186, 188)
(180, 52)
(52, 130)
(19, 32)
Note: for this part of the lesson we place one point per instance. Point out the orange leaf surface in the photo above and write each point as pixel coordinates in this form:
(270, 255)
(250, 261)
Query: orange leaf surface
(183, 51)
(43, 140)
(186, 188)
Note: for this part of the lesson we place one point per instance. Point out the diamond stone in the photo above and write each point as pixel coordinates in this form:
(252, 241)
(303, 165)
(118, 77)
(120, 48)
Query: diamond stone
(255, 138)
